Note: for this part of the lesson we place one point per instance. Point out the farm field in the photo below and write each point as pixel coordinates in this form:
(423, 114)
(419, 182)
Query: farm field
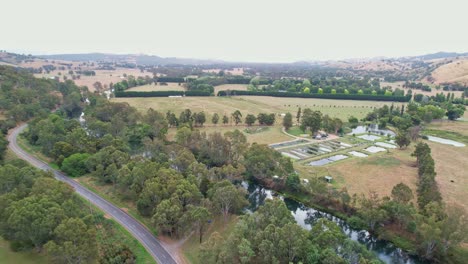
(152, 87)
(268, 136)
(451, 162)
(381, 171)
(104, 76)
(224, 87)
(434, 91)
(254, 105)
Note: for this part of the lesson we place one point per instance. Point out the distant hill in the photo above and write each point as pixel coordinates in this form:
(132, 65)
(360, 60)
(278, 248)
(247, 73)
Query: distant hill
(128, 58)
(440, 55)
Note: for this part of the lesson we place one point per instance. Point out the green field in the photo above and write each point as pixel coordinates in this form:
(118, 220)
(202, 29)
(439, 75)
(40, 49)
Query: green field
(7, 256)
(254, 105)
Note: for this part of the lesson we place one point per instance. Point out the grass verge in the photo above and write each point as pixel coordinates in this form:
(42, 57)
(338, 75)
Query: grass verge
(7, 256)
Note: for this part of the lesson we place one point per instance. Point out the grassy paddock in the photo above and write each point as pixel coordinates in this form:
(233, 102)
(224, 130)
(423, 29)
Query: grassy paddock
(152, 87)
(191, 247)
(271, 135)
(224, 87)
(7, 256)
(255, 105)
(106, 191)
(450, 161)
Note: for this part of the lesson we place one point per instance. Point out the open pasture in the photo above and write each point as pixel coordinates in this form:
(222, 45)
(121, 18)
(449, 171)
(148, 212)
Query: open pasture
(255, 105)
(152, 87)
(225, 87)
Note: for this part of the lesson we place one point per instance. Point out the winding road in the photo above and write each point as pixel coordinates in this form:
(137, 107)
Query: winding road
(140, 232)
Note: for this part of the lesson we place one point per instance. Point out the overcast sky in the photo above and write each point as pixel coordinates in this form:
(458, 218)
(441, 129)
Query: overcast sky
(236, 30)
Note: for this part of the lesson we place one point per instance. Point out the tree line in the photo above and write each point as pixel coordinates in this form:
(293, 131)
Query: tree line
(342, 96)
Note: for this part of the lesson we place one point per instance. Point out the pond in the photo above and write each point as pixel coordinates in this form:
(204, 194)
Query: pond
(445, 141)
(306, 217)
(324, 161)
(373, 128)
(358, 154)
(385, 145)
(374, 149)
(369, 137)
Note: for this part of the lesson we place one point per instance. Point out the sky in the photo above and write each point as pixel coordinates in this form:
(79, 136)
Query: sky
(236, 30)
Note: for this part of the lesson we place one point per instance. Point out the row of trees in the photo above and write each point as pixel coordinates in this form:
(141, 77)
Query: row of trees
(187, 118)
(345, 95)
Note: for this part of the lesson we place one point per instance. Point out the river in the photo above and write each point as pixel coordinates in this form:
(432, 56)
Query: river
(306, 217)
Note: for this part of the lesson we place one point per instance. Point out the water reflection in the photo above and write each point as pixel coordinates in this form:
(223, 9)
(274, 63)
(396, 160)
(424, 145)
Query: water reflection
(307, 217)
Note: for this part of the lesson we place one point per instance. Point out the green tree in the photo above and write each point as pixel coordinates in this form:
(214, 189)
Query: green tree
(262, 162)
(311, 120)
(250, 119)
(34, 219)
(402, 193)
(158, 125)
(298, 115)
(215, 118)
(167, 215)
(74, 242)
(199, 216)
(225, 120)
(402, 139)
(227, 198)
(287, 121)
(75, 165)
(237, 116)
(293, 182)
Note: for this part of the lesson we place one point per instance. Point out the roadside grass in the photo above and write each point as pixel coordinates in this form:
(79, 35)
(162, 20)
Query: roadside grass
(106, 192)
(7, 256)
(109, 231)
(191, 248)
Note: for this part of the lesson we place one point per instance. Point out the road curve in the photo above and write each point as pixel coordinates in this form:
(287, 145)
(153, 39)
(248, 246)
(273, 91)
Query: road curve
(146, 238)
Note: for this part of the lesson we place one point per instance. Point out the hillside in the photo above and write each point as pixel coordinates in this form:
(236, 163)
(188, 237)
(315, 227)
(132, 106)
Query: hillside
(453, 72)
(140, 59)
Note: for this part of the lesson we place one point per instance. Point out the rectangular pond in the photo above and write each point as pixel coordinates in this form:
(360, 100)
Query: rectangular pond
(374, 149)
(369, 137)
(325, 161)
(385, 145)
(358, 154)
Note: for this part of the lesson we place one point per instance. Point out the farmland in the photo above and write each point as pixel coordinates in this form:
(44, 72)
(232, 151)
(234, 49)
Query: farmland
(152, 87)
(254, 105)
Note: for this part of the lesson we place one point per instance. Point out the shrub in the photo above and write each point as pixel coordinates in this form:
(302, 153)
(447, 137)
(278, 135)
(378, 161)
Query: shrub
(75, 165)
